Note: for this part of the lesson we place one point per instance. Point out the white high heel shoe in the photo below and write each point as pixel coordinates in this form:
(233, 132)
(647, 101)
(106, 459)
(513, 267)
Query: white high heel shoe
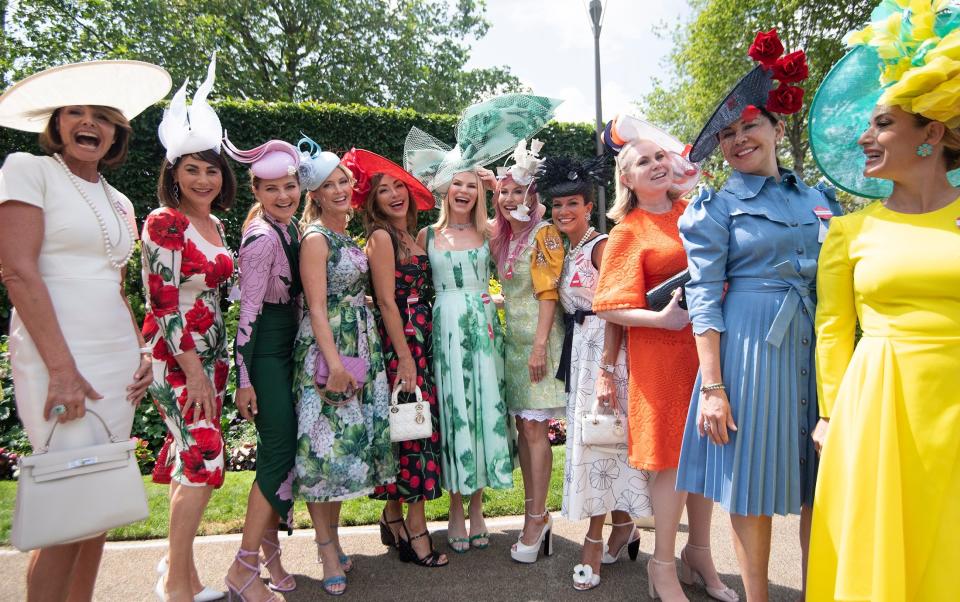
(632, 546)
(690, 576)
(528, 554)
(207, 594)
(583, 576)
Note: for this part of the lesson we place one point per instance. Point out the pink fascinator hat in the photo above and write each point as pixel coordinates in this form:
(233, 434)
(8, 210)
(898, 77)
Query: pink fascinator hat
(270, 160)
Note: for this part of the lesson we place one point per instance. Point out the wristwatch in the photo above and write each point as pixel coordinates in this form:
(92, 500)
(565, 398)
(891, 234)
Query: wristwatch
(608, 368)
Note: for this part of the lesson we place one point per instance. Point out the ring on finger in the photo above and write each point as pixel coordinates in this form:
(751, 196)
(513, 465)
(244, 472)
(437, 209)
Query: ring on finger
(59, 409)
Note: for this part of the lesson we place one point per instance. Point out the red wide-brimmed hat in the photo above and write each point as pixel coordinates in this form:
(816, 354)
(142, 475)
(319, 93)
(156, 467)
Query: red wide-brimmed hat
(365, 164)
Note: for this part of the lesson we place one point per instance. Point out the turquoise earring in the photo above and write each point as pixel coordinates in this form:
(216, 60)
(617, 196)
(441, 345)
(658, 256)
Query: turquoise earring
(925, 150)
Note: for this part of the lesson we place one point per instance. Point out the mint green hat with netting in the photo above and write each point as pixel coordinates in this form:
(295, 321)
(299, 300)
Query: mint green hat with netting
(486, 132)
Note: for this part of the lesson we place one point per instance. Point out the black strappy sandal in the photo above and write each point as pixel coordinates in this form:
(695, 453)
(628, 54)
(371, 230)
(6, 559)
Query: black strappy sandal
(386, 533)
(408, 554)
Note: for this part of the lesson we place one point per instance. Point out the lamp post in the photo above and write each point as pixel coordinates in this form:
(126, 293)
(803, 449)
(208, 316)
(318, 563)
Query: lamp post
(596, 14)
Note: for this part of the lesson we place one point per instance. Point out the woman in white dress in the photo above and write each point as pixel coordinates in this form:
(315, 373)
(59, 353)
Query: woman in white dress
(597, 479)
(65, 239)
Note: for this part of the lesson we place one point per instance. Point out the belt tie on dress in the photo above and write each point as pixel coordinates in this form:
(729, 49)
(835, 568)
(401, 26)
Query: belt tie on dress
(794, 283)
(563, 370)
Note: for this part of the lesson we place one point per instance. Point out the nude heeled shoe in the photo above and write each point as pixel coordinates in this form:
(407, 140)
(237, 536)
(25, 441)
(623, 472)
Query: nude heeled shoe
(690, 576)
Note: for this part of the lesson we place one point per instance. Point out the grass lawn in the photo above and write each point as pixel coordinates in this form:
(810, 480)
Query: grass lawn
(228, 504)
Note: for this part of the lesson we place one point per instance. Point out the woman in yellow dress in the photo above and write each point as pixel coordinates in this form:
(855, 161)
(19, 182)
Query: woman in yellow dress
(886, 522)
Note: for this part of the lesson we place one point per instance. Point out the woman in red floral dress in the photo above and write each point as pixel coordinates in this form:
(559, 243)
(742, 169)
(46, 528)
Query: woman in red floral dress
(185, 263)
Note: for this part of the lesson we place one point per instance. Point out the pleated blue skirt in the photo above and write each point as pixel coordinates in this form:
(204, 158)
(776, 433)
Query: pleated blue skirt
(769, 465)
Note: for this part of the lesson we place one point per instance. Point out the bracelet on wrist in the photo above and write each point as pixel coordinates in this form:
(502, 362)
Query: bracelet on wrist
(146, 351)
(713, 387)
(608, 368)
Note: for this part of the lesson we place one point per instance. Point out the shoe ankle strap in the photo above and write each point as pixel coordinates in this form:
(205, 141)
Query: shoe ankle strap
(623, 524)
(592, 540)
(323, 543)
(700, 548)
(241, 554)
(663, 562)
(539, 516)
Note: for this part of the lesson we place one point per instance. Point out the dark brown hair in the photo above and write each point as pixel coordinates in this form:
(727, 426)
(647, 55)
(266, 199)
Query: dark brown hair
(950, 141)
(52, 142)
(374, 218)
(228, 189)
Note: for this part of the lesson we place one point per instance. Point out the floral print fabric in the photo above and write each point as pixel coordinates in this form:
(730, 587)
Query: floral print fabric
(183, 273)
(344, 451)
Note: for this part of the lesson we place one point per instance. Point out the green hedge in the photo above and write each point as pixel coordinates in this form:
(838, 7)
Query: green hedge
(335, 127)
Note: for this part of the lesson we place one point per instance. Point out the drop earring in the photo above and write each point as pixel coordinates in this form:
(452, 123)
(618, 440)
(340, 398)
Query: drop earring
(925, 150)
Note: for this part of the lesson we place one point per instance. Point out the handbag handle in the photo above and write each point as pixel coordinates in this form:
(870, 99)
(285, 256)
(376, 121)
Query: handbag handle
(596, 406)
(396, 393)
(113, 438)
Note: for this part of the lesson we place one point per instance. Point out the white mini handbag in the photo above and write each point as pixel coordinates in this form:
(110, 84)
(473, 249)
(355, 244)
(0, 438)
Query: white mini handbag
(409, 421)
(74, 494)
(607, 430)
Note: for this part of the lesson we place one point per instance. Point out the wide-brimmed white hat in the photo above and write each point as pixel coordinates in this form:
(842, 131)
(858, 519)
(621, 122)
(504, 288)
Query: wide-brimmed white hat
(128, 86)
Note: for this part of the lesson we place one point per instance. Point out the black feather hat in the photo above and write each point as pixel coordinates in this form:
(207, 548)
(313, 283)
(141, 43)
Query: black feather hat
(568, 176)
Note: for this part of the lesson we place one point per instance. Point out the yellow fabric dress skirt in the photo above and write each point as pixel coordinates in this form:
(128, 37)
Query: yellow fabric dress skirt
(886, 522)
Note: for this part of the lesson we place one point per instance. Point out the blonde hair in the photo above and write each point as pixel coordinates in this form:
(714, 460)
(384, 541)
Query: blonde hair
(479, 209)
(625, 200)
(312, 211)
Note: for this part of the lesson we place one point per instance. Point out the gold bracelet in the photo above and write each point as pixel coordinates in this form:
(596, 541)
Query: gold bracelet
(712, 387)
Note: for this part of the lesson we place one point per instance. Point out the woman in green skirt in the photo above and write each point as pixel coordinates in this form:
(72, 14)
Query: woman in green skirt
(267, 327)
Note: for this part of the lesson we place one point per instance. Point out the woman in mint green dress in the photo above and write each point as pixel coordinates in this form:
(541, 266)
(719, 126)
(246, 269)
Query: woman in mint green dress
(467, 359)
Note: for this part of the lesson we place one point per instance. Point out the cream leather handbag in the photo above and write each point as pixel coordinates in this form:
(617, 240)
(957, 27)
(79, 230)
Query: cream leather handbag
(605, 430)
(409, 421)
(74, 494)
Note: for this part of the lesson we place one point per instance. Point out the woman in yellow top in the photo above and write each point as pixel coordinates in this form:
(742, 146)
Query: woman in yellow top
(886, 522)
(528, 253)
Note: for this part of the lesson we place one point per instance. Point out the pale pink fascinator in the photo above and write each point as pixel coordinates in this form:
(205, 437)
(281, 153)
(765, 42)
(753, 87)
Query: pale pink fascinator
(270, 160)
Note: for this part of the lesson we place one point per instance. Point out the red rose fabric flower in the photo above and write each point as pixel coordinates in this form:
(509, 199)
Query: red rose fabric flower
(150, 328)
(791, 68)
(161, 351)
(766, 48)
(192, 261)
(176, 378)
(166, 228)
(220, 372)
(186, 341)
(199, 318)
(218, 271)
(194, 468)
(164, 298)
(208, 441)
(785, 99)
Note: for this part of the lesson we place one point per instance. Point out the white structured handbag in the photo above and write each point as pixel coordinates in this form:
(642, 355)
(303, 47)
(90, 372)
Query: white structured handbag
(605, 430)
(74, 494)
(409, 421)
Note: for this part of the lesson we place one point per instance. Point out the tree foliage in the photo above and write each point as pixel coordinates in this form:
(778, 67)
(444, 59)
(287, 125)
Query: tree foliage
(402, 53)
(710, 55)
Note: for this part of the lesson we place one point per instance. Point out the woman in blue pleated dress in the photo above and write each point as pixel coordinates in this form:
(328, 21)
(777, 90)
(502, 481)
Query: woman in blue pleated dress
(747, 440)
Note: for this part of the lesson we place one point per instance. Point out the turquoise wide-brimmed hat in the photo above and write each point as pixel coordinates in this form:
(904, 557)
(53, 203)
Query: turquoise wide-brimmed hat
(907, 56)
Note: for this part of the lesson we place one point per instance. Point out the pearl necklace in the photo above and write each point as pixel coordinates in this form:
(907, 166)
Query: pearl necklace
(115, 206)
(573, 252)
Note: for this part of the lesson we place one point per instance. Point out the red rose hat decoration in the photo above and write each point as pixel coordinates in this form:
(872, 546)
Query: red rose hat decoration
(756, 90)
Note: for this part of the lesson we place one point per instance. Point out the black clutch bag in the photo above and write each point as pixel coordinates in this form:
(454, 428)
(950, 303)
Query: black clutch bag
(659, 296)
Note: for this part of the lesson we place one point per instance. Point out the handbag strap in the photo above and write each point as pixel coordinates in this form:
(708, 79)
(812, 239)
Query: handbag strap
(106, 428)
(396, 392)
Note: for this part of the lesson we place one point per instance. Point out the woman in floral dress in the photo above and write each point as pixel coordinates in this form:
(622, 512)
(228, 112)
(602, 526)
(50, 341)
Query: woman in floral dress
(185, 263)
(400, 271)
(343, 434)
(597, 479)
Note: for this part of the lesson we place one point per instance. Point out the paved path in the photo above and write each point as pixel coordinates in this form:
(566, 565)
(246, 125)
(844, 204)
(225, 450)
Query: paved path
(127, 573)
